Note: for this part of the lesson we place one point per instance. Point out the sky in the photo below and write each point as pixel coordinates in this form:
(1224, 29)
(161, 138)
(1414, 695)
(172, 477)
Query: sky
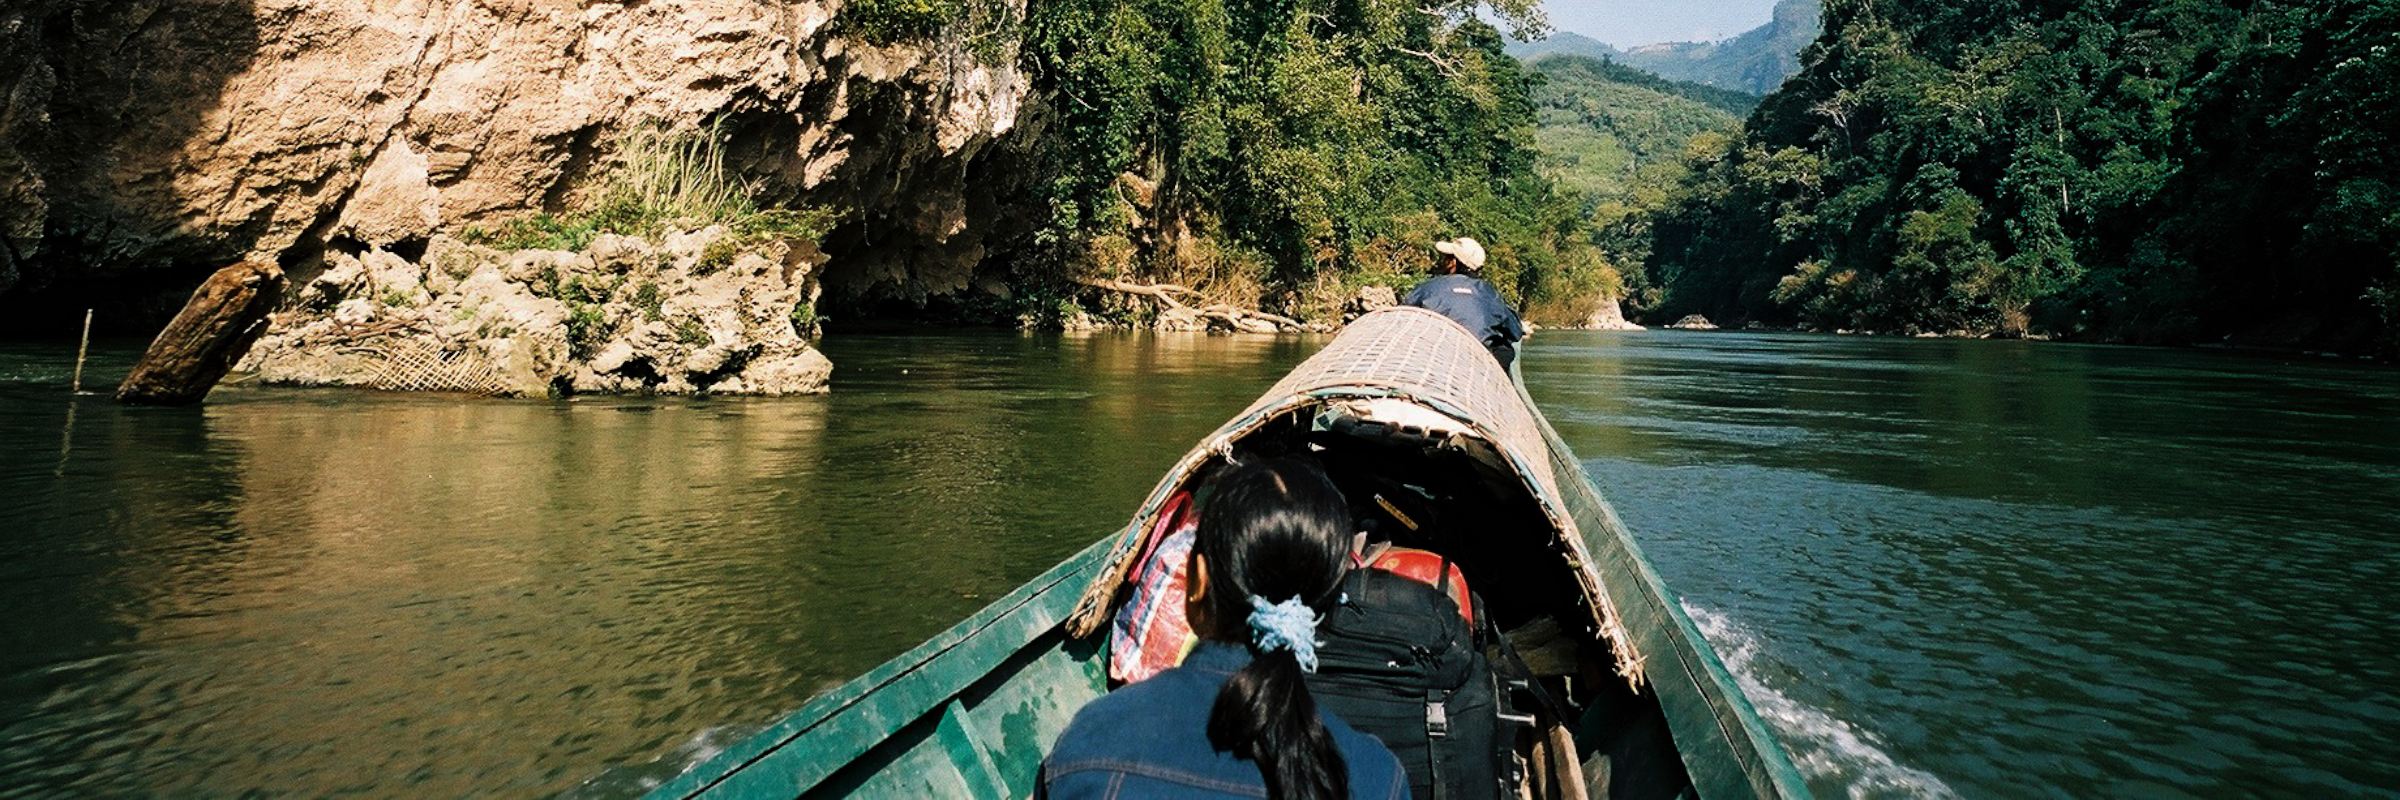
(1626, 23)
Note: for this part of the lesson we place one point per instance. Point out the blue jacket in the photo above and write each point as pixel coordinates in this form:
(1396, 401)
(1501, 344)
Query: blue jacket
(1150, 739)
(1476, 304)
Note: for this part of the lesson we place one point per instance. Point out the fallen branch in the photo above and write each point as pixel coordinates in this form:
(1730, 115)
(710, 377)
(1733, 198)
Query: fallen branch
(1162, 291)
(1165, 293)
(1236, 315)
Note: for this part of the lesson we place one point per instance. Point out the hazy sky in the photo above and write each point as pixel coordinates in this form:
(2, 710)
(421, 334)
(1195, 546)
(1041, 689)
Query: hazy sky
(1625, 23)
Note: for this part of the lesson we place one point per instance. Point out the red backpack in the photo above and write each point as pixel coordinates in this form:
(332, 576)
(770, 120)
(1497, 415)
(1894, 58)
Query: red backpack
(1425, 566)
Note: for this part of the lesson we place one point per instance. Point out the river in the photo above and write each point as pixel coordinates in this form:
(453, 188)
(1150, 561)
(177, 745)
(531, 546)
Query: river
(1938, 567)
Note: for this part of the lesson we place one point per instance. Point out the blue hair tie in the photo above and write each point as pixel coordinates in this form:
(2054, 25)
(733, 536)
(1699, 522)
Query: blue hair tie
(1289, 625)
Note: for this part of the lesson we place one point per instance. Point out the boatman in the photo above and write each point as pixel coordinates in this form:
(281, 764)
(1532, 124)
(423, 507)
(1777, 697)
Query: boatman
(1455, 292)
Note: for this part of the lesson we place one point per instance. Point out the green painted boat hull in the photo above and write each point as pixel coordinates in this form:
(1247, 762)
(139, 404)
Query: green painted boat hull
(968, 713)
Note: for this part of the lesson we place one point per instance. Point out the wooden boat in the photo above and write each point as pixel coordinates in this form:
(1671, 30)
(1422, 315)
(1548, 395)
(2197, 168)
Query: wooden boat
(1403, 394)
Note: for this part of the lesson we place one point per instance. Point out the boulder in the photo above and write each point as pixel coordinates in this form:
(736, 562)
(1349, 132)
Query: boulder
(1367, 300)
(1693, 322)
(1609, 317)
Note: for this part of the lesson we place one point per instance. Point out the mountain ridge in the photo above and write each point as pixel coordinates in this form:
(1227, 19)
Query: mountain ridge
(1755, 62)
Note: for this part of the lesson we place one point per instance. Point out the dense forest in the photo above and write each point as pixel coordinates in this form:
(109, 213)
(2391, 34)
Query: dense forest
(2155, 171)
(1283, 155)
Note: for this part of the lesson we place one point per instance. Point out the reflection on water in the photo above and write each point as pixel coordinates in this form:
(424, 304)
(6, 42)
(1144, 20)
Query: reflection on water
(314, 592)
(2017, 569)
(1992, 568)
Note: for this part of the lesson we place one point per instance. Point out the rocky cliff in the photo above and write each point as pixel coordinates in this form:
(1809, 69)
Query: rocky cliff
(153, 140)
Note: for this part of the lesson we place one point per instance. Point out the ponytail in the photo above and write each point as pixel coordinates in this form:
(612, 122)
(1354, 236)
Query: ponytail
(1276, 528)
(1265, 714)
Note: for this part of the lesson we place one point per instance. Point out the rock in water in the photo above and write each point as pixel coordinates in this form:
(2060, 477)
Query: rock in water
(213, 331)
(1694, 322)
(1367, 300)
(1610, 317)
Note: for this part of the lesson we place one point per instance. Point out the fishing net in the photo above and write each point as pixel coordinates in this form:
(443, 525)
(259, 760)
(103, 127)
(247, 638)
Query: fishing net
(415, 365)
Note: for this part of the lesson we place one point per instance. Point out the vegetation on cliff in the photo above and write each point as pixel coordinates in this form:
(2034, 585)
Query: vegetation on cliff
(2162, 170)
(1282, 155)
(662, 181)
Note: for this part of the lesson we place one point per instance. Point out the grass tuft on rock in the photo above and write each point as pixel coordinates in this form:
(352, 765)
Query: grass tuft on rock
(662, 181)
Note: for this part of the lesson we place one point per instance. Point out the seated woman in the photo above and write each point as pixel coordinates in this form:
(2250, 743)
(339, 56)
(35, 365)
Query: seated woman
(1236, 718)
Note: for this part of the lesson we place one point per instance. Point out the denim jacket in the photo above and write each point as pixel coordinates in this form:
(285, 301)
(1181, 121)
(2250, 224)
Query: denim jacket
(1474, 303)
(1150, 739)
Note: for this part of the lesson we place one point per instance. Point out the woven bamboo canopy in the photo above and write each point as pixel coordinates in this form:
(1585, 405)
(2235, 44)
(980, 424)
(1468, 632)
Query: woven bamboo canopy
(1425, 360)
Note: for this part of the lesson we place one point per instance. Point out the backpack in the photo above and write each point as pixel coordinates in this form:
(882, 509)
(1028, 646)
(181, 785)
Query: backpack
(1400, 662)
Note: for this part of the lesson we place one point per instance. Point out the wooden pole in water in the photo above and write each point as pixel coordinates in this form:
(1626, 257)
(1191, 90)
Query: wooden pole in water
(81, 350)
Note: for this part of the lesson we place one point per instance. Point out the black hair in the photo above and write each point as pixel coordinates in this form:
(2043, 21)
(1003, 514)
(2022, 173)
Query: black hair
(1274, 529)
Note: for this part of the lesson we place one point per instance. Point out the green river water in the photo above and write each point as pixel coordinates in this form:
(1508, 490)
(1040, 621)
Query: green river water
(1985, 569)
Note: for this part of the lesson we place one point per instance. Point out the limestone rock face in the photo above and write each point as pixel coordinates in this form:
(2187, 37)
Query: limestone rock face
(624, 315)
(1610, 317)
(145, 134)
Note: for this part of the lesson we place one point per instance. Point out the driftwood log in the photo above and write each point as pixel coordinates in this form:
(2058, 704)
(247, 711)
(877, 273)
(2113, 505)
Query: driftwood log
(213, 331)
(1165, 295)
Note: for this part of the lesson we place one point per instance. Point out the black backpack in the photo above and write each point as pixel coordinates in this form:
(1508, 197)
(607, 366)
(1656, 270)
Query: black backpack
(1400, 664)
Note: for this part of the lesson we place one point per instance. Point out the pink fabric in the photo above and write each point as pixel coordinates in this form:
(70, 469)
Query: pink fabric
(1149, 634)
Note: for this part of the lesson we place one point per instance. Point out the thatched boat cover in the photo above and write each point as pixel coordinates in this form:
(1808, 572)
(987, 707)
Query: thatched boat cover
(1421, 357)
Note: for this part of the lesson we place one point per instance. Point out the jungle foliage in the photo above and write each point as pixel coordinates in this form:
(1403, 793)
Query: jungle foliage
(2146, 170)
(1282, 154)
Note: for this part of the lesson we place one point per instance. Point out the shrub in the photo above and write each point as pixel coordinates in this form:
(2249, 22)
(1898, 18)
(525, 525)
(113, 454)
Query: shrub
(646, 297)
(662, 181)
(587, 326)
(691, 332)
(718, 255)
(804, 319)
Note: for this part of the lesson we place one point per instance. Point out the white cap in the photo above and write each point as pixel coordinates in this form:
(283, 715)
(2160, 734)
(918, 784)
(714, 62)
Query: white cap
(1468, 251)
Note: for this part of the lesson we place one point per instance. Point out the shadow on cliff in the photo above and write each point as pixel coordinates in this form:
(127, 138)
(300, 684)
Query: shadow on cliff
(98, 103)
(928, 230)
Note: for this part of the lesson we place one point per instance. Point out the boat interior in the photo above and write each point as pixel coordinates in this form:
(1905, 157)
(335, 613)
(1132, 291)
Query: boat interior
(1417, 478)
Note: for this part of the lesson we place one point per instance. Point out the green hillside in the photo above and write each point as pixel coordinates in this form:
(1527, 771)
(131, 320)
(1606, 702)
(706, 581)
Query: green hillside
(1607, 129)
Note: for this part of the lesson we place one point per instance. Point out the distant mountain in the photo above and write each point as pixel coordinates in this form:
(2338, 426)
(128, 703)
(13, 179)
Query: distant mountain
(1756, 62)
(1565, 43)
(1607, 130)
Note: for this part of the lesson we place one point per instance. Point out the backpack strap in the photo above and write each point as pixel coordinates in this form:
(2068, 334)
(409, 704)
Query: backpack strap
(1437, 709)
(1437, 728)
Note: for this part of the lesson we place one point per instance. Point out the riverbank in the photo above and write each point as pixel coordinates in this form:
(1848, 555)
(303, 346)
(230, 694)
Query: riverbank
(2228, 345)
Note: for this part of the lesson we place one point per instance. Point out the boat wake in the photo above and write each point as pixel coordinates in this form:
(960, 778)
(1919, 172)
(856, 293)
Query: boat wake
(1829, 750)
(634, 780)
